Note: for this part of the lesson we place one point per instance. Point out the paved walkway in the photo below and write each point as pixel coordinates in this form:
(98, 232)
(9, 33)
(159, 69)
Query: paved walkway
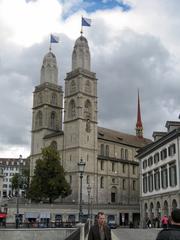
(134, 234)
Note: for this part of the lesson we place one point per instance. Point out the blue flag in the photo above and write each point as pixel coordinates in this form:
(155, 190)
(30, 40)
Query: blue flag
(54, 39)
(86, 22)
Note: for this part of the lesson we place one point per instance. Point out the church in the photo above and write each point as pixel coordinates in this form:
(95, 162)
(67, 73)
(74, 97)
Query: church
(68, 120)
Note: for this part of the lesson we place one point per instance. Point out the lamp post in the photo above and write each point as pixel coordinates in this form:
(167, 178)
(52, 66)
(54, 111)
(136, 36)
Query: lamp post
(20, 161)
(89, 191)
(81, 166)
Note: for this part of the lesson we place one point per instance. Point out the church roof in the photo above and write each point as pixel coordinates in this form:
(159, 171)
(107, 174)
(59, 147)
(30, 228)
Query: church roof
(122, 138)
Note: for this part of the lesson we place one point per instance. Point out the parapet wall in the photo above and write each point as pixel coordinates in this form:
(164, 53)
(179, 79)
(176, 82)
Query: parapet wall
(35, 234)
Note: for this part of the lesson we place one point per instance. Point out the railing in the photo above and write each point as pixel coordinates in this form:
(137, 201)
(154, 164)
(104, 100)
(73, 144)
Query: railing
(38, 225)
(75, 235)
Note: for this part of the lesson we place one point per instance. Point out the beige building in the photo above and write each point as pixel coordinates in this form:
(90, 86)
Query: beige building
(160, 174)
(111, 169)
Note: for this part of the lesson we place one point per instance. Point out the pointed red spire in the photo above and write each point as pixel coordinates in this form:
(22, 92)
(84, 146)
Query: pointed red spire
(139, 126)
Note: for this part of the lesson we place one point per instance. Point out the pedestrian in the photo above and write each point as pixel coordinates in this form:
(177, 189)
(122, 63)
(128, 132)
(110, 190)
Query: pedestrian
(100, 230)
(164, 221)
(172, 233)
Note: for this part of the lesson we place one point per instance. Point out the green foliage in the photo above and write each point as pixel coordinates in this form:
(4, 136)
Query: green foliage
(49, 180)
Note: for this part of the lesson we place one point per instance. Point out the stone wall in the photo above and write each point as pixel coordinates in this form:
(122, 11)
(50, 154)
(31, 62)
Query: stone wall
(35, 234)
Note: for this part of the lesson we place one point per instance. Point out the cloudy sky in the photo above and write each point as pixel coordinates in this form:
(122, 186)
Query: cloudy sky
(134, 44)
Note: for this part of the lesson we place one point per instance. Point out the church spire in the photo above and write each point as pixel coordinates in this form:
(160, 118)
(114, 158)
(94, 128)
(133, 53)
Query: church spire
(139, 126)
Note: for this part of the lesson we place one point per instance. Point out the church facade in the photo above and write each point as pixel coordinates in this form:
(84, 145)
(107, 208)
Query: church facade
(68, 120)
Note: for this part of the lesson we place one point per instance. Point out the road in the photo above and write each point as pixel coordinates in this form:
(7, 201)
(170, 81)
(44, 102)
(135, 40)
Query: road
(134, 234)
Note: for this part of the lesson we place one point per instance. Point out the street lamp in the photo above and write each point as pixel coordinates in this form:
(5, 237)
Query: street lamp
(81, 166)
(20, 161)
(89, 191)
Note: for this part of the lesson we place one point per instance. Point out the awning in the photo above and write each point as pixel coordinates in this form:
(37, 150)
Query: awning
(44, 215)
(31, 215)
(3, 215)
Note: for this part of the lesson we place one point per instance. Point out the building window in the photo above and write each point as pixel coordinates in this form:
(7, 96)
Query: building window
(102, 149)
(53, 120)
(102, 165)
(54, 145)
(134, 169)
(122, 153)
(87, 110)
(163, 154)
(172, 150)
(172, 175)
(150, 182)
(126, 154)
(157, 179)
(164, 177)
(150, 161)
(134, 185)
(145, 183)
(102, 182)
(72, 109)
(156, 158)
(145, 164)
(124, 184)
(54, 99)
(70, 179)
(113, 167)
(107, 150)
(39, 119)
(113, 180)
(124, 168)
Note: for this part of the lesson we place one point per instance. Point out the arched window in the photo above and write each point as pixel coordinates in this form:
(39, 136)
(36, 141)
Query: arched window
(126, 154)
(54, 99)
(102, 182)
(39, 120)
(72, 109)
(72, 86)
(174, 204)
(107, 150)
(39, 101)
(54, 145)
(53, 120)
(113, 194)
(166, 212)
(87, 110)
(88, 86)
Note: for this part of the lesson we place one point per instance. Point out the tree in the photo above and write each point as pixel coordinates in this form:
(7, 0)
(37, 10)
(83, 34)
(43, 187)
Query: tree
(21, 181)
(49, 180)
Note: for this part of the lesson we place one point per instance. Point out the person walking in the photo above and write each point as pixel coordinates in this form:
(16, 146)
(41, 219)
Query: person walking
(100, 230)
(164, 221)
(172, 233)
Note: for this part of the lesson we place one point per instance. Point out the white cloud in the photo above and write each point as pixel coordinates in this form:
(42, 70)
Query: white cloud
(129, 50)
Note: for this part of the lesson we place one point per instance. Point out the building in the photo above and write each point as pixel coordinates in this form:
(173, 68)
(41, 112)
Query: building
(9, 167)
(160, 174)
(111, 169)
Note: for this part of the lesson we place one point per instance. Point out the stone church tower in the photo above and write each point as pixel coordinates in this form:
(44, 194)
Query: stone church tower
(80, 119)
(47, 106)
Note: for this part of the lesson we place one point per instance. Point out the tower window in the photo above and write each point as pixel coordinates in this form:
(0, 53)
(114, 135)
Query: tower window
(54, 99)
(87, 110)
(102, 182)
(39, 119)
(53, 120)
(72, 109)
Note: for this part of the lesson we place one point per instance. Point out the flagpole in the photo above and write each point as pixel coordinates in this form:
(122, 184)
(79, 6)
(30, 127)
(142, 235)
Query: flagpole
(81, 32)
(50, 44)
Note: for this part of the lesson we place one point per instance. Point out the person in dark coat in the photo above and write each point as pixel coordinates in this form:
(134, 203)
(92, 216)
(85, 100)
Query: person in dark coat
(100, 230)
(172, 233)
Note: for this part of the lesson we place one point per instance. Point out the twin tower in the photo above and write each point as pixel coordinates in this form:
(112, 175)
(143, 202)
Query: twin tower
(69, 122)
